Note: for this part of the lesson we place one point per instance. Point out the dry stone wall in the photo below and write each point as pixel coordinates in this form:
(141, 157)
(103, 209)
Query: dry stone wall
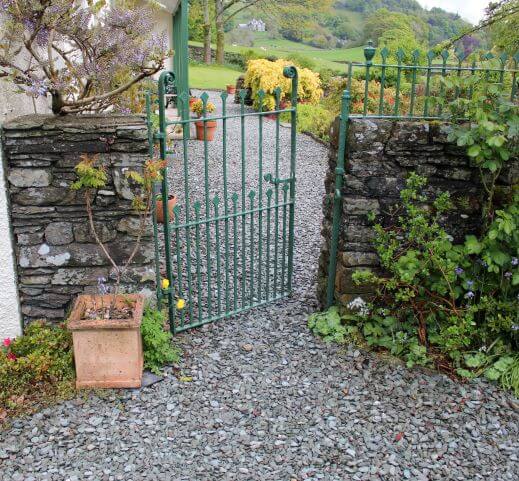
(56, 254)
(381, 155)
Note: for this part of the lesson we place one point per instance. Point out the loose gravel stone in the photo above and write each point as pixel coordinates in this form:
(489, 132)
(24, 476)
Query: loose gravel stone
(288, 408)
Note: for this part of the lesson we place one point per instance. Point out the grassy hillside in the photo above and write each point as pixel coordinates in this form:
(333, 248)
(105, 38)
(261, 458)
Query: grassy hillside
(332, 59)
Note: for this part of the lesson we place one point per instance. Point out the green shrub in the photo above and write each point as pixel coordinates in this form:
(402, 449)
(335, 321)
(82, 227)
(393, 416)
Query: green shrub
(35, 365)
(314, 119)
(157, 341)
(267, 76)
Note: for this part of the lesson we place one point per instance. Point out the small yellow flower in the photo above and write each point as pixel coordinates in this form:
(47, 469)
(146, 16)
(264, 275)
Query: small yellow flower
(165, 283)
(181, 304)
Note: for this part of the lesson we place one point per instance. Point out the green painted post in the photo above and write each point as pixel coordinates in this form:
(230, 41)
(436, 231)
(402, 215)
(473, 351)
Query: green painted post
(224, 97)
(514, 76)
(277, 94)
(337, 198)
(261, 97)
(430, 57)
(400, 56)
(155, 191)
(181, 46)
(383, 53)
(292, 73)
(416, 59)
(369, 53)
(166, 77)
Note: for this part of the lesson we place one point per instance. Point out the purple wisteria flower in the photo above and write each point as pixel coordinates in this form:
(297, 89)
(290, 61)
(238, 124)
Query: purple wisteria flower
(470, 284)
(515, 327)
(101, 286)
(515, 261)
(508, 274)
(459, 271)
(469, 295)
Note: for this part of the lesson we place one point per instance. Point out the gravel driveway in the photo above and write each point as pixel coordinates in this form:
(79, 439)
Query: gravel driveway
(259, 398)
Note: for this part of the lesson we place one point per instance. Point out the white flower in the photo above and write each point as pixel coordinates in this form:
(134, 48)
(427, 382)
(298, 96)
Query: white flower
(358, 304)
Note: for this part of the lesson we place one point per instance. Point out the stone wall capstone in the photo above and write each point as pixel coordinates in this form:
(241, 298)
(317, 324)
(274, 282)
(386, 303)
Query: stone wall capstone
(56, 254)
(381, 155)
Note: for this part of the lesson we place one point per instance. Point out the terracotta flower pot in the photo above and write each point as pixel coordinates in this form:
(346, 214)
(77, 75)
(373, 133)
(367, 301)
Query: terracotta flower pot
(192, 100)
(159, 209)
(210, 128)
(231, 89)
(107, 352)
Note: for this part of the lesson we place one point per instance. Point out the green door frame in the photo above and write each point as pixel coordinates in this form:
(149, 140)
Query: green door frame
(181, 46)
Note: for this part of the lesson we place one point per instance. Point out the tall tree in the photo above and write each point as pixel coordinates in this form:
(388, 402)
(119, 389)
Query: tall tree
(207, 33)
(226, 10)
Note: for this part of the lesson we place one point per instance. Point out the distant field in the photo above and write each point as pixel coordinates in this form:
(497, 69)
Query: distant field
(211, 76)
(333, 58)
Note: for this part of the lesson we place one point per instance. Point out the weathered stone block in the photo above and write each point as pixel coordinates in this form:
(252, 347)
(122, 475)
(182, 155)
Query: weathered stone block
(105, 230)
(59, 233)
(30, 177)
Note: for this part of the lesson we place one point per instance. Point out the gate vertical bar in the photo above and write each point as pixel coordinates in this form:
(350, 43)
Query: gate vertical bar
(166, 77)
(292, 73)
(337, 198)
(151, 141)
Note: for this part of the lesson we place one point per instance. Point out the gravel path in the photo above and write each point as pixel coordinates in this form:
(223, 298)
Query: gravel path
(259, 398)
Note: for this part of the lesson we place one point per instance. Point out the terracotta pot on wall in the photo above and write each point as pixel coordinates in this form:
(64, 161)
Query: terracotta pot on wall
(231, 89)
(107, 352)
(159, 208)
(210, 129)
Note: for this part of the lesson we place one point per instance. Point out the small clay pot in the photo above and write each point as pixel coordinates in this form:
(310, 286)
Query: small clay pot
(208, 132)
(231, 89)
(159, 209)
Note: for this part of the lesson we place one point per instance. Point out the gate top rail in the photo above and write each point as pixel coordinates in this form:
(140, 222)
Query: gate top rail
(408, 89)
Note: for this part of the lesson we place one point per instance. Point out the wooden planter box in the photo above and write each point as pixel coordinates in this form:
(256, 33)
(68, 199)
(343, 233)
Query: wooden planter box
(107, 353)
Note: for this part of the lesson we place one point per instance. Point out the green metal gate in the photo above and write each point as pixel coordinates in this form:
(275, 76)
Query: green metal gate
(230, 244)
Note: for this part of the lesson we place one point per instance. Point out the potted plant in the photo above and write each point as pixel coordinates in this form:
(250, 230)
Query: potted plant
(106, 327)
(231, 89)
(192, 101)
(159, 207)
(205, 129)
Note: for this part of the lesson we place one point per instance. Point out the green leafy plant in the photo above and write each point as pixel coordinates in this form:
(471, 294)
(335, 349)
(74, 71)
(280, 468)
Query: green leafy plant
(157, 341)
(92, 176)
(490, 131)
(35, 366)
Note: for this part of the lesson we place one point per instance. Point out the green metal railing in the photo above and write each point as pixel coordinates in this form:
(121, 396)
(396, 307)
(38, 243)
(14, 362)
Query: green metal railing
(229, 246)
(406, 91)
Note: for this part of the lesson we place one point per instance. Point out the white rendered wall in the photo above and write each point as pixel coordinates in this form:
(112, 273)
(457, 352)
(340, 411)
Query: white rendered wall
(10, 318)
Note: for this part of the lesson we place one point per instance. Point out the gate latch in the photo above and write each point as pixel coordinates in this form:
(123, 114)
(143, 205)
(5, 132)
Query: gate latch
(270, 178)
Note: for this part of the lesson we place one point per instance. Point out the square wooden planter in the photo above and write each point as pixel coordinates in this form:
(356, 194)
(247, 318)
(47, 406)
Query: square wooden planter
(107, 353)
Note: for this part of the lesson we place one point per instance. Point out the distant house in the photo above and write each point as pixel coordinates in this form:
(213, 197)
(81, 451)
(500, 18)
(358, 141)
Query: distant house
(254, 26)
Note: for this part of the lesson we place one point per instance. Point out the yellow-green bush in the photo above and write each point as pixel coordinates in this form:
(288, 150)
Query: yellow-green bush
(266, 75)
(37, 364)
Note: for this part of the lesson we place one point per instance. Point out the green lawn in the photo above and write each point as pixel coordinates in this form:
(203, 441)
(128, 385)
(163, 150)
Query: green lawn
(211, 76)
(333, 58)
